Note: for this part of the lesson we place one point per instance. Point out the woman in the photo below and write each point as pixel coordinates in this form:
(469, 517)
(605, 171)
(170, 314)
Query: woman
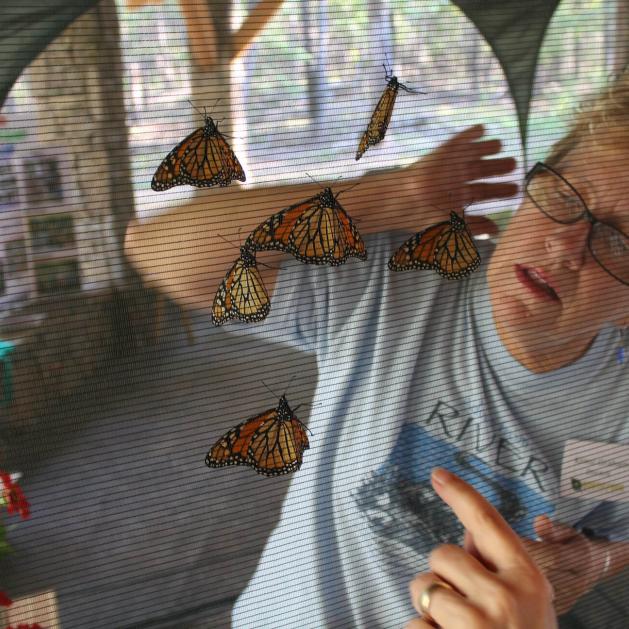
(489, 376)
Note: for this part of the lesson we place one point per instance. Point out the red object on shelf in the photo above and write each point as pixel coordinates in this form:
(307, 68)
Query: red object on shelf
(14, 496)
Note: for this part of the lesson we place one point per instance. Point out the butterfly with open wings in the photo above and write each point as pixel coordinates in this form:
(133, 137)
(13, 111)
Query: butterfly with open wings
(447, 247)
(202, 159)
(315, 231)
(272, 443)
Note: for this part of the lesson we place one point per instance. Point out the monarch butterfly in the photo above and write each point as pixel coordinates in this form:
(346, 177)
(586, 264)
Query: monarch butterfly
(315, 231)
(379, 123)
(446, 247)
(272, 443)
(242, 293)
(202, 159)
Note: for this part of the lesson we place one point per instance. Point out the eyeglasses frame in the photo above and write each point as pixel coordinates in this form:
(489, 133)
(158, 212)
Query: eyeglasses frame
(587, 214)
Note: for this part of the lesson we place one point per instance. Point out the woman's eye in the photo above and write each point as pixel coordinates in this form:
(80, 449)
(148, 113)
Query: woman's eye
(618, 245)
(568, 198)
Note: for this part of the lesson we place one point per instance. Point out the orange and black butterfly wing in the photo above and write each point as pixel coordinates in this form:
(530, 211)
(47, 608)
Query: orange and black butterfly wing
(353, 244)
(275, 232)
(202, 159)
(278, 446)
(379, 123)
(325, 234)
(213, 163)
(418, 252)
(233, 447)
(456, 255)
(241, 294)
(170, 172)
(315, 231)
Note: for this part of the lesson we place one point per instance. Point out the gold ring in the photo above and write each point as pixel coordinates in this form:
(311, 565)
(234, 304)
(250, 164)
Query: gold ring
(424, 598)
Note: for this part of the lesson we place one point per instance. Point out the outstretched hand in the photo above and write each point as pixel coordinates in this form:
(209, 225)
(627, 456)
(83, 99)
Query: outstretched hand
(497, 586)
(447, 179)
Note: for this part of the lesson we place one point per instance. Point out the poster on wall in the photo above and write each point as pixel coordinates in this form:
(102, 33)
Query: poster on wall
(42, 179)
(8, 182)
(55, 231)
(57, 276)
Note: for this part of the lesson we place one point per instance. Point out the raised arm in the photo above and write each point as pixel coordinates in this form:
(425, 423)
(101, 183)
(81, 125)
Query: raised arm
(184, 254)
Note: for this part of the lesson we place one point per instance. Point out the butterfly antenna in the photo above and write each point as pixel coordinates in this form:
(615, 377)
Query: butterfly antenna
(313, 179)
(268, 266)
(410, 90)
(289, 383)
(347, 189)
(203, 113)
(311, 405)
(388, 71)
(270, 390)
(229, 241)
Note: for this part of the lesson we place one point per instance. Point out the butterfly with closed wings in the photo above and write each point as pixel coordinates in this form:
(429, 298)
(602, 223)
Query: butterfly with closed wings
(447, 247)
(202, 159)
(272, 443)
(315, 231)
(381, 117)
(242, 293)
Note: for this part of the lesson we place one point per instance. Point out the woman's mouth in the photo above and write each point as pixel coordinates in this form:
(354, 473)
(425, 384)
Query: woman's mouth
(534, 281)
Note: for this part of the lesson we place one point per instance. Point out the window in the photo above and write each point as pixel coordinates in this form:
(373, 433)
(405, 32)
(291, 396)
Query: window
(575, 61)
(304, 91)
(312, 79)
(157, 88)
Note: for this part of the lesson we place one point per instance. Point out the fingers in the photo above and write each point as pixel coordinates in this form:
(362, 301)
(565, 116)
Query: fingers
(483, 191)
(466, 573)
(468, 134)
(489, 147)
(546, 556)
(447, 607)
(480, 225)
(493, 537)
(483, 168)
(462, 141)
(550, 531)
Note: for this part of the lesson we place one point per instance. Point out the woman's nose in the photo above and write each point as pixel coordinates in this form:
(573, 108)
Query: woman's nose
(569, 242)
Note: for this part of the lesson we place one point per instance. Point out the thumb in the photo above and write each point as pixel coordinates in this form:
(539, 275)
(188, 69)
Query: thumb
(550, 531)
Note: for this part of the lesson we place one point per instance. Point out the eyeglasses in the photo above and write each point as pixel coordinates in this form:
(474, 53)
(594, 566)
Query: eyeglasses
(558, 199)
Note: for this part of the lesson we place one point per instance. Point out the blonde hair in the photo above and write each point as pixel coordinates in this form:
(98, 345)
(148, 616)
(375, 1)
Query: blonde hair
(607, 111)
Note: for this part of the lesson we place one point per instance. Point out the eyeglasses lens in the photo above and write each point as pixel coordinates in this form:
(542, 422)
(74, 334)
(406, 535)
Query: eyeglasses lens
(554, 196)
(611, 250)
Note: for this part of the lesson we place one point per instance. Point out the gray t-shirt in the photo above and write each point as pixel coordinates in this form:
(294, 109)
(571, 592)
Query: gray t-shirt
(412, 375)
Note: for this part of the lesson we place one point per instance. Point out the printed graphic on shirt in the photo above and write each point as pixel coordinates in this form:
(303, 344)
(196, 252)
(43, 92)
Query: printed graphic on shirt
(404, 512)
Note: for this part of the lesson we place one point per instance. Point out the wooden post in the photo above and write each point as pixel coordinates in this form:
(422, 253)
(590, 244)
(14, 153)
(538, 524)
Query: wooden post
(621, 37)
(114, 120)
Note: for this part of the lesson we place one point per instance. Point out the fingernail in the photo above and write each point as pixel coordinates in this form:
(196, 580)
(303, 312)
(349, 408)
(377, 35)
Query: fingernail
(441, 477)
